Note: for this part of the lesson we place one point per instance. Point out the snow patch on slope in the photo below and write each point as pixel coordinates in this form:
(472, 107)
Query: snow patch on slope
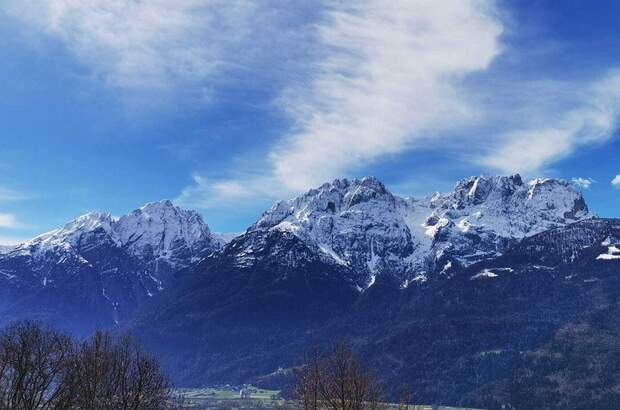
(613, 253)
(491, 273)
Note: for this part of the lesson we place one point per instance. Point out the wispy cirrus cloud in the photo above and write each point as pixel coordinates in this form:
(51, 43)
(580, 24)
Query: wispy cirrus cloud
(383, 78)
(592, 119)
(143, 45)
(389, 77)
(378, 79)
(392, 79)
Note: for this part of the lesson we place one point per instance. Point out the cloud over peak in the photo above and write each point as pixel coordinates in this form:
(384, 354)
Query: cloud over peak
(570, 125)
(389, 75)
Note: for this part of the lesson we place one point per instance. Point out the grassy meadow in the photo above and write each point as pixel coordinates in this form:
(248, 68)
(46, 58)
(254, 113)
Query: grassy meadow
(229, 397)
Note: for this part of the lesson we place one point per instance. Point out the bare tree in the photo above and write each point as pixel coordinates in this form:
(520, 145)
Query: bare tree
(43, 369)
(117, 374)
(306, 389)
(337, 381)
(405, 401)
(33, 367)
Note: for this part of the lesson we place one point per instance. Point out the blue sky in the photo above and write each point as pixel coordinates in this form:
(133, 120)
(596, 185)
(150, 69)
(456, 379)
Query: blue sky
(227, 106)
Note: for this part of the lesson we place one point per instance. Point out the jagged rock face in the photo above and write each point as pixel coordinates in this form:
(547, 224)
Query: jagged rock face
(166, 232)
(357, 224)
(576, 252)
(113, 264)
(361, 225)
(596, 241)
(486, 215)
(509, 207)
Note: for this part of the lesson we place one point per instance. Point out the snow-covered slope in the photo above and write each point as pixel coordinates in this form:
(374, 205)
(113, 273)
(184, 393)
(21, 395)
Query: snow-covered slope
(5, 249)
(363, 226)
(162, 231)
(508, 206)
(158, 231)
(115, 262)
(485, 215)
(357, 223)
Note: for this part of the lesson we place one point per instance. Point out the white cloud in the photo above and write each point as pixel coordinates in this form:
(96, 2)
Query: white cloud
(205, 193)
(155, 44)
(592, 121)
(9, 221)
(583, 182)
(389, 77)
(616, 181)
(384, 78)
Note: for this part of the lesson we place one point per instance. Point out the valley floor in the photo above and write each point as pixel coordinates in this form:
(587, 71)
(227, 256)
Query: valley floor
(229, 397)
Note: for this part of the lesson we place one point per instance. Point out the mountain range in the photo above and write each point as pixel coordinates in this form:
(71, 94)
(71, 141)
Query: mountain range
(477, 297)
(97, 269)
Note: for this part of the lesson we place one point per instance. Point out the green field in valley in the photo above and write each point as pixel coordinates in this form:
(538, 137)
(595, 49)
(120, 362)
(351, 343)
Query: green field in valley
(229, 397)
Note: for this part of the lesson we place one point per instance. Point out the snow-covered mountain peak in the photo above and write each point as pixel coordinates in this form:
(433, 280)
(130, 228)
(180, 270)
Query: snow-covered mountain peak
(156, 230)
(356, 223)
(341, 195)
(116, 263)
(509, 207)
(90, 222)
(476, 190)
(505, 205)
(159, 207)
(70, 234)
(359, 223)
(365, 190)
(160, 228)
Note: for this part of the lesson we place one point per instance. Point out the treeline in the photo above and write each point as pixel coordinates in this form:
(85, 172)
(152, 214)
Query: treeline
(44, 369)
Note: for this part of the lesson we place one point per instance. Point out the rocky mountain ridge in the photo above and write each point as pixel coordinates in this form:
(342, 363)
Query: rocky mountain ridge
(360, 224)
(109, 264)
(357, 227)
